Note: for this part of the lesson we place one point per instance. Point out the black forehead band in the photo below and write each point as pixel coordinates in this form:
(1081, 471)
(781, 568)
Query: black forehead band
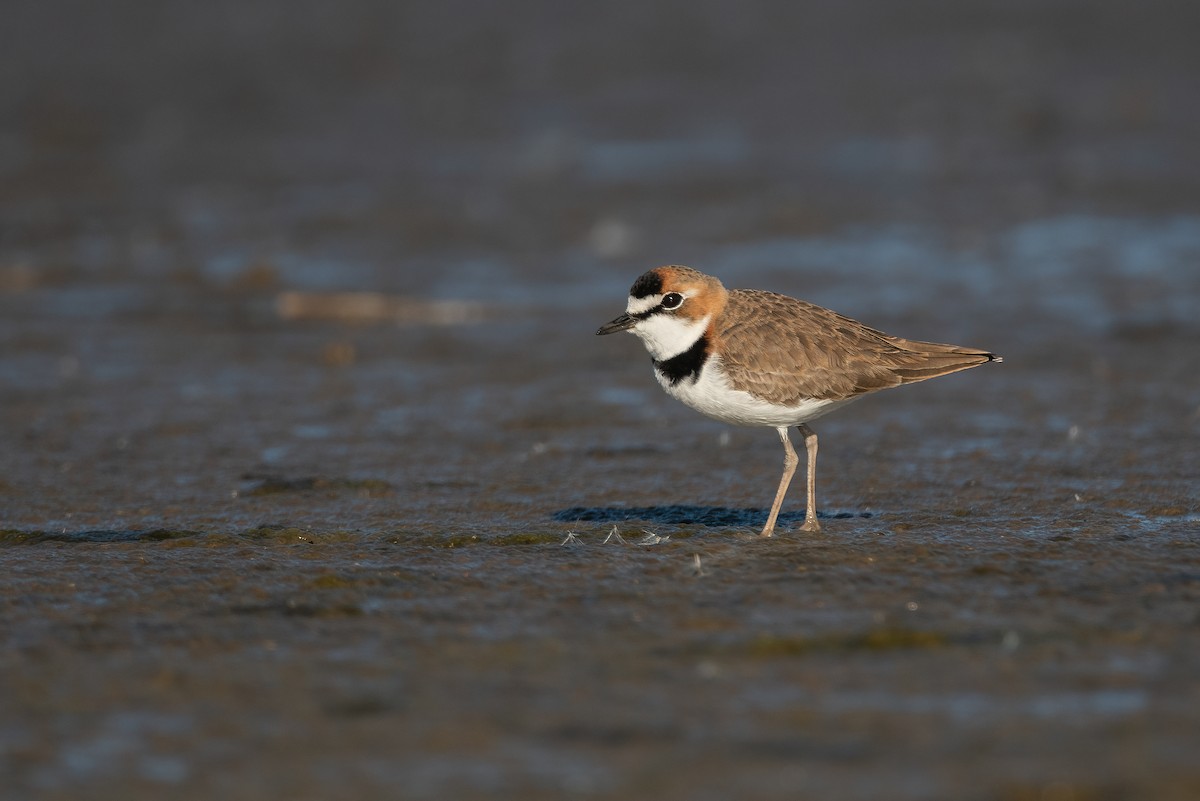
(648, 284)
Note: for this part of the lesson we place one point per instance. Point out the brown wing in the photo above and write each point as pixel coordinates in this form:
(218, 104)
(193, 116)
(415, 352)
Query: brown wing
(786, 350)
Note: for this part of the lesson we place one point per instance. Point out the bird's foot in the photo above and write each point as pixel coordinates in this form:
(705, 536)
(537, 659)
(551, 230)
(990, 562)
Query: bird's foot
(810, 524)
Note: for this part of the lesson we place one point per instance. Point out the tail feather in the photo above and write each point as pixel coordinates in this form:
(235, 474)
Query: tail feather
(930, 360)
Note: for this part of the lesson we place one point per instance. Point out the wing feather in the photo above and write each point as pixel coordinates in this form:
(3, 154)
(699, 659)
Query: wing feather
(787, 350)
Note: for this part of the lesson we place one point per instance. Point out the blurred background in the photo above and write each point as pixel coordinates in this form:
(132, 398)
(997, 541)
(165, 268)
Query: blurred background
(187, 192)
(527, 151)
(1014, 175)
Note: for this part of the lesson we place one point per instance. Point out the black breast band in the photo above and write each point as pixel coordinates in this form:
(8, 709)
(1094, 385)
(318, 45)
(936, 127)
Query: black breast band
(686, 364)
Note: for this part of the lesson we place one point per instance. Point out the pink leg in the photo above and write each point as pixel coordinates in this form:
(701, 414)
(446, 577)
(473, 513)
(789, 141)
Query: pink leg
(810, 509)
(790, 460)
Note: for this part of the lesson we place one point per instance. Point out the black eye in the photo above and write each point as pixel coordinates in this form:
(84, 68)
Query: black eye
(672, 300)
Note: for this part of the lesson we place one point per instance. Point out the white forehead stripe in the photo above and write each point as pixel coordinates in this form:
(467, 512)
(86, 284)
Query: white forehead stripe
(639, 305)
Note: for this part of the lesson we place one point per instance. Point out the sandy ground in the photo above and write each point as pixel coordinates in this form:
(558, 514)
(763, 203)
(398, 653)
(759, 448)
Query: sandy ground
(253, 553)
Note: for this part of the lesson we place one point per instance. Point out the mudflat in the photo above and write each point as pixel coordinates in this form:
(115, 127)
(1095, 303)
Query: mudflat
(316, 483)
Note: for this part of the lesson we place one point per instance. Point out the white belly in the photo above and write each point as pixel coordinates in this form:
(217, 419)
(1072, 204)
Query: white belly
(711, 395)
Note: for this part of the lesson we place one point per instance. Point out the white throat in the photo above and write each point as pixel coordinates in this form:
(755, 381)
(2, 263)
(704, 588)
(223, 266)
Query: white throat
(666, 336)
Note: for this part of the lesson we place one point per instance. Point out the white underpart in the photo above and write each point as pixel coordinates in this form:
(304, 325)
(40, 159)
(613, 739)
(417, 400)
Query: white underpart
(666, 335)
(711, 395)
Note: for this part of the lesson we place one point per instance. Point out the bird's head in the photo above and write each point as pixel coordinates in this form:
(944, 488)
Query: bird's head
(669, 308)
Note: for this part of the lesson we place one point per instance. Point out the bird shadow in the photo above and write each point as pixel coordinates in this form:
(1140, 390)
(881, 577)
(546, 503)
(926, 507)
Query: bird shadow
(685, 514)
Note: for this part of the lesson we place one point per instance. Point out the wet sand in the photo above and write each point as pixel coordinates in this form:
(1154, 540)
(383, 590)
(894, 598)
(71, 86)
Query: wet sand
(254, 550)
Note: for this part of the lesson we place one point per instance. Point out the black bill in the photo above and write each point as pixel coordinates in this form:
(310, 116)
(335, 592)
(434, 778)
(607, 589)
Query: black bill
(622, 323)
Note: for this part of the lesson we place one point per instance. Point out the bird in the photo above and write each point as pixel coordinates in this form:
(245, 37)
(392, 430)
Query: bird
(750, 357)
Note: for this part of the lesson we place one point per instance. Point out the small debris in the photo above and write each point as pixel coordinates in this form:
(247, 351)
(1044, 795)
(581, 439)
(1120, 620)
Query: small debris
(614, 534)
(651, 538)
(697, 569)
(571, 539)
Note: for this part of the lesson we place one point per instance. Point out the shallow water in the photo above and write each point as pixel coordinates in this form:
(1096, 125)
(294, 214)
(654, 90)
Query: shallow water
(253, 556)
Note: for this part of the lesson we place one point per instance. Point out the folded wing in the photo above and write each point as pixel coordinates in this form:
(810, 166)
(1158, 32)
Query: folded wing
(786, 350)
